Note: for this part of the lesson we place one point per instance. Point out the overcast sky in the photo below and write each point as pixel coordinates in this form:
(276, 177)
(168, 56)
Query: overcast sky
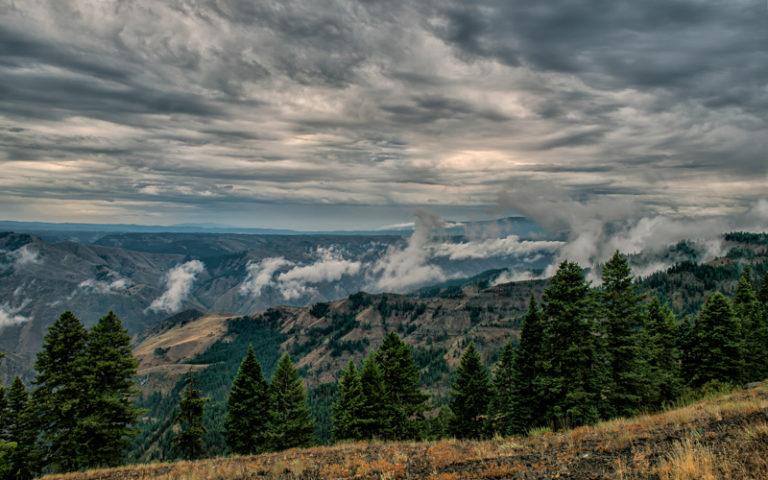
(349, 114)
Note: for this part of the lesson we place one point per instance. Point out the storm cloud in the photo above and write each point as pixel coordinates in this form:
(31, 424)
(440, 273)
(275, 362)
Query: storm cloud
(315, 114)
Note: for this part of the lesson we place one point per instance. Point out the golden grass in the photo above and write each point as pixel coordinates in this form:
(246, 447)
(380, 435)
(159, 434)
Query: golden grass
(718, 437)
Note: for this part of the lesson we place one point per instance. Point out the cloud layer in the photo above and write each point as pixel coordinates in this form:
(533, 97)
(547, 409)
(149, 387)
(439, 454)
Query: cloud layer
(165, 112)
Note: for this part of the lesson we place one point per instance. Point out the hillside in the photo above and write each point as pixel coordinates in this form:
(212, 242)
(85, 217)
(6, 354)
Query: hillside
(720, 437)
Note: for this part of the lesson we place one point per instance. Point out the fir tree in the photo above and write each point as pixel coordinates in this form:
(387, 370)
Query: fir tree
(620, 308)
(20, 430)
(109, 368)
(571, 370)
(526, 405)
(348, 410)
(61, 396)
(189, 441)
(500, 411)
(291, 424)
(661, 348)
(762, 294)
(404, 401)
(470, 395)
(246, 425)
(753, 329)
(716, 352)
(373, 417)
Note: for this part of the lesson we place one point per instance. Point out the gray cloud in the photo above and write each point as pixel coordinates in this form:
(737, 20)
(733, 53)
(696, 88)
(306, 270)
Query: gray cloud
(177, 111)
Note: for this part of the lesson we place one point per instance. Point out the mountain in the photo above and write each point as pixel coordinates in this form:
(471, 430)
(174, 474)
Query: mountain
(146, 276)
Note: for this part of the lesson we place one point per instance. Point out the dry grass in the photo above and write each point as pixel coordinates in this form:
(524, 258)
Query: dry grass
(720, 437)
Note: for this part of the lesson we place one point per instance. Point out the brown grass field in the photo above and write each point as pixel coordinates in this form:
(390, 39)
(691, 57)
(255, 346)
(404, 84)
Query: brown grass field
(724, 437)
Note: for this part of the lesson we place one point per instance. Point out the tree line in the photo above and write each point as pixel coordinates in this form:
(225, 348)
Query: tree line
(583, 354)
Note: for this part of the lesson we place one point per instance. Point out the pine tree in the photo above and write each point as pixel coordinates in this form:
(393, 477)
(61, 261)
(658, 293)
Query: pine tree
(500, 410)
(527, 409)
(246, 425)
(762, 294)
(20, 430)
(373, 417)
(661, 347)
(620, 308)
(716, 353)
(571, 370)
(61, 396)
(109, 369)
(470, 395)
(291, 424)
(749, 312)
(404, 401)
(189, 441)
(348, 410)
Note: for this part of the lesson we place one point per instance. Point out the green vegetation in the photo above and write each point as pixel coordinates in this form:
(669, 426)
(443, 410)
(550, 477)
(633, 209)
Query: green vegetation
(189, 441)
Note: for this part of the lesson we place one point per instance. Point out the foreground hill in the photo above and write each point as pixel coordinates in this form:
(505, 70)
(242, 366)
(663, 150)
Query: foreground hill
(721, 437)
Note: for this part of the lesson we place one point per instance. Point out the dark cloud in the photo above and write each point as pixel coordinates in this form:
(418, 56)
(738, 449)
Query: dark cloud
(129, 108)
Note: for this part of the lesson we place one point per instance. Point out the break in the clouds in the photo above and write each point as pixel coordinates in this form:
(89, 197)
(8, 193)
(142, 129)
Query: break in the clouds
(278, 113)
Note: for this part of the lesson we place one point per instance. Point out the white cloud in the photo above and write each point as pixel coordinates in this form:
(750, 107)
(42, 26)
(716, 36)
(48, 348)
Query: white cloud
(25, 256)
(178, 284)
(404, 267)
(119, 285)
(330, 267)
(493, 247)
(10, 315)
(260, 275)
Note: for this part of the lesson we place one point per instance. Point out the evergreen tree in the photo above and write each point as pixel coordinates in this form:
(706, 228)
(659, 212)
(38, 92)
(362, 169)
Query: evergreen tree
(404, 402)
(20, 430)
(291, 424)
(500, 409)
(661, 347)
(246, 425)
(749, 312)
(109, 368)
(527, 409)
(762, 294)
(61, 397)
(348, 410)
(571, 370)
(470, 395)
(373, 418)
(189, 441)
(716, 352)
(620, 308)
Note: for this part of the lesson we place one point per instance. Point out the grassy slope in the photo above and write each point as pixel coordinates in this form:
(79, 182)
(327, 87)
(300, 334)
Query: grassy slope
(720, 437)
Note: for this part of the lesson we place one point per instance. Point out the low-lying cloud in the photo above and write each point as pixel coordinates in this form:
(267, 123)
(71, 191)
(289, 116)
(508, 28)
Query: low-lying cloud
(178, 283)
(495, 247)
(116, 286)
(404, 267)
(10, 316)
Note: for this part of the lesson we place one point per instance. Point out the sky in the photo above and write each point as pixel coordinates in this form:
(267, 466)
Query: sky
(341, 114)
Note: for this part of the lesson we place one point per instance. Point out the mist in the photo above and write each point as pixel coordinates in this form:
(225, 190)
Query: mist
(178, 283)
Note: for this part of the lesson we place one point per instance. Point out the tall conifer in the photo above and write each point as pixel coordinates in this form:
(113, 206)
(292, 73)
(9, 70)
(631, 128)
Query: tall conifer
(663, 355)
(753, 327)
(527, 406)
(20, 430)
(291, 424)
(189, 441)
(348, 410)
(109, 369)
(620, 309)
(61, 399)
(470, 395)
(404, 401)
(572, 372)
(373, 417)
(246, 425)
(500, 410)
(716, 352)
